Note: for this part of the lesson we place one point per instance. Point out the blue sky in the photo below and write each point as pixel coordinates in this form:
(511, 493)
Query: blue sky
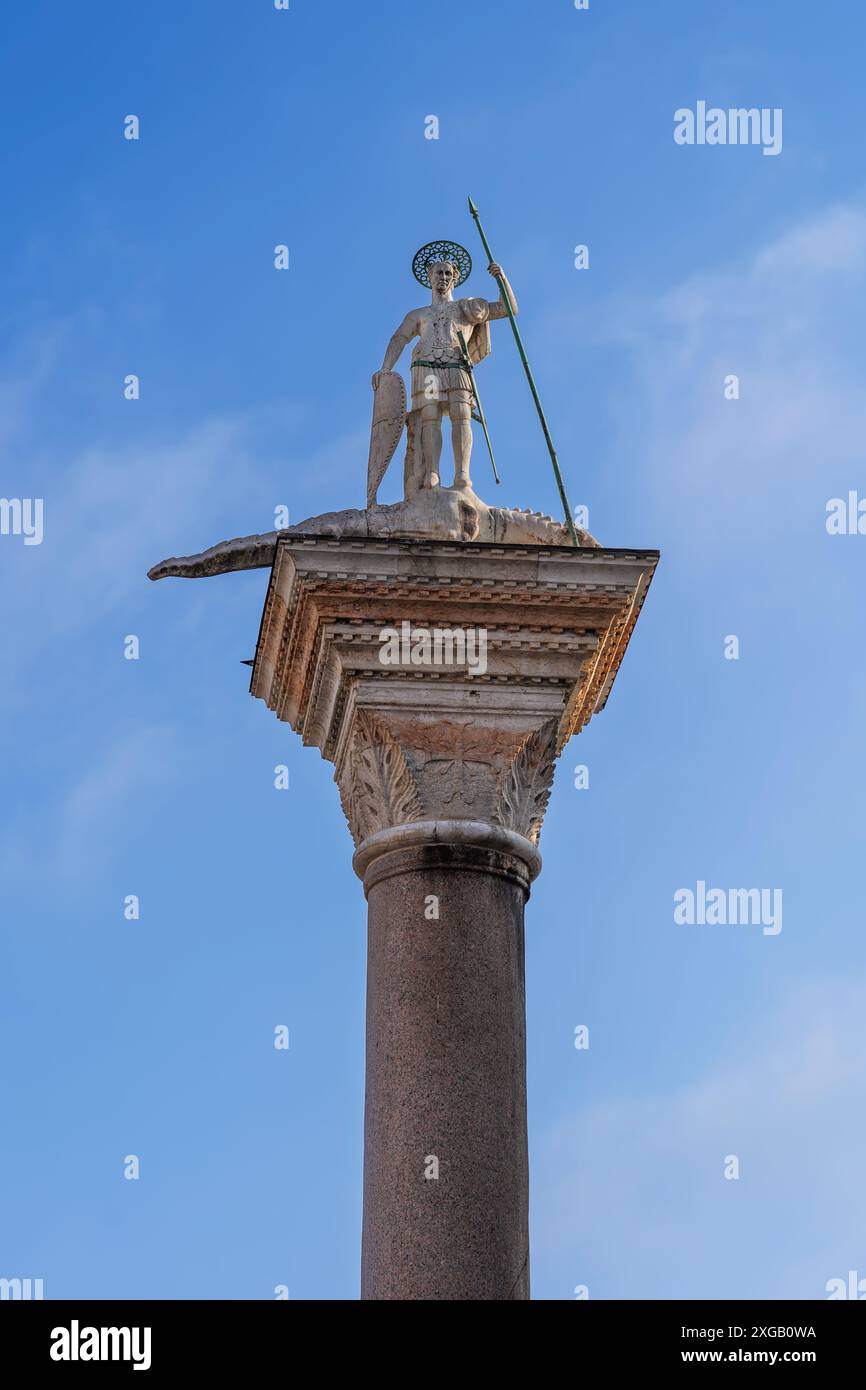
(155, 776)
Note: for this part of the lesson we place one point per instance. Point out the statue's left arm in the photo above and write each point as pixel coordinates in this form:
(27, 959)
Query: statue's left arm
(497, 306)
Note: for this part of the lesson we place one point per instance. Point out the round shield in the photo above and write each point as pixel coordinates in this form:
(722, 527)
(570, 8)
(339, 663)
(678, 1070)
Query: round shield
(441, 251)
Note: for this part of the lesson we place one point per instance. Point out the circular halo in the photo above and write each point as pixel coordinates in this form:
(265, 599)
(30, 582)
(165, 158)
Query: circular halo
(441, 251)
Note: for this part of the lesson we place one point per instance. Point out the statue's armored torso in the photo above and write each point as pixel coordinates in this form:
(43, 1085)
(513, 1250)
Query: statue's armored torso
(439, 324)
(438, 356)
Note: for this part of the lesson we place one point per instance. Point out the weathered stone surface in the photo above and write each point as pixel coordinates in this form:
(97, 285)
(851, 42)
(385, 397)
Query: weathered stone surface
(446, 1078)
(440, 513)
(444, 775)
(432, 743)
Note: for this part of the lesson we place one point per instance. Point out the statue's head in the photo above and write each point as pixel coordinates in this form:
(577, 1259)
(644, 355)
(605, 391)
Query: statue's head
(443, 275)
(442, 266)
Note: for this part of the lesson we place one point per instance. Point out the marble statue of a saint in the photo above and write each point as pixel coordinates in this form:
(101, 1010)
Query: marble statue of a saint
(453, 337)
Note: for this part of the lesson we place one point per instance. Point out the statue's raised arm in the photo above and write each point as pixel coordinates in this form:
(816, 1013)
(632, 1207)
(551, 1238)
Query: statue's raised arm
(497, 307)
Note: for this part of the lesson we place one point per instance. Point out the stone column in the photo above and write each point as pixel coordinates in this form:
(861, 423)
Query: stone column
(445, 770)
(445, 1161)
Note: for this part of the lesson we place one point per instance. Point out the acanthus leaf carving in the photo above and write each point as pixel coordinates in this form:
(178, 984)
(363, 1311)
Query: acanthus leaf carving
(377, 790)
(525, 789)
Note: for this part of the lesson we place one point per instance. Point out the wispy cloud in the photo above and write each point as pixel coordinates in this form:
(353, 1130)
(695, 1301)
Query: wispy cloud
(75, 751)
(783, 323)
(110, 514)
(785, 320)
(632, 1194)
(68, 828)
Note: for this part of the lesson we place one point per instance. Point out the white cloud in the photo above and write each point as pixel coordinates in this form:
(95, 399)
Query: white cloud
(67, 829)
(631, 1197)
(21, 386)
(109, 514)
(782, 325)
(786, 320)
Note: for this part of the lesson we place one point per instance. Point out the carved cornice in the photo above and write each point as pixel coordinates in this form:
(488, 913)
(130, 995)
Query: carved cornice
(443, 743)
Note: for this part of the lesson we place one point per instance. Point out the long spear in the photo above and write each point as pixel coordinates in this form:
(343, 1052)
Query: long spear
(529, 377)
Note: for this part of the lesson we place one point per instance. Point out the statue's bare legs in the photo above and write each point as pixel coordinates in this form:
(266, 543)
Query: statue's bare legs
(460, 410)
(431, 442)
(461, 436)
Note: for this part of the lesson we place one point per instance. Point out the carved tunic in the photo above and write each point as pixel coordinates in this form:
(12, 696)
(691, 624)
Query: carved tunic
(438, 342)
